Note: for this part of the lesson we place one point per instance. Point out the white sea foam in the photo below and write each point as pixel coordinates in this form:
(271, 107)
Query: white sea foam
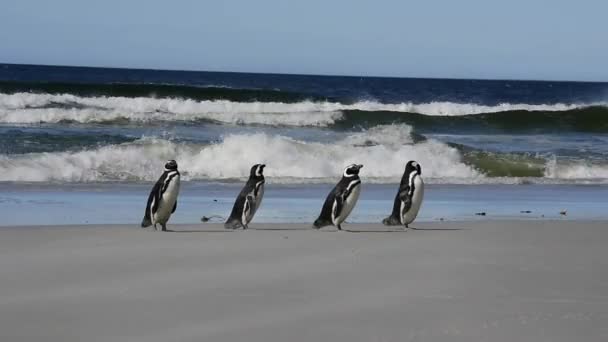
(572, 171)
(34, 108)
(384, 152)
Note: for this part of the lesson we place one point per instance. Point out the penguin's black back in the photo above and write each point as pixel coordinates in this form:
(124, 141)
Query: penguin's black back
(404, 187)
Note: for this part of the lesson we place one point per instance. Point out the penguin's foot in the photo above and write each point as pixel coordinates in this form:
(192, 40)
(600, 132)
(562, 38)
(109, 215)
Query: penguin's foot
(146, 222)
(391, 221)
(320, 223)
(339, 227)
(231, 224)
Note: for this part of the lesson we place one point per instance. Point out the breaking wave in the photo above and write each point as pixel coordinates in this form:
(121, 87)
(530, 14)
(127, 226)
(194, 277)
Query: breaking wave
(18, 141)
(155, 90)
(383, 150)
(28, 108)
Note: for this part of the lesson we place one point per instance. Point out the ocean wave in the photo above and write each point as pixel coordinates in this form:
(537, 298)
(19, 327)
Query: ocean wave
(154, 90)
(18, 141)
(34, 108)
(575, 170)
(382, 150)
(583, 119)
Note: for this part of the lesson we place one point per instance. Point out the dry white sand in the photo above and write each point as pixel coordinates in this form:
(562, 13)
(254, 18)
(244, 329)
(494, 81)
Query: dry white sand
(483, 281)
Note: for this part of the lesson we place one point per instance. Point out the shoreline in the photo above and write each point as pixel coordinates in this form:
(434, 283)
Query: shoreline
(290, 226)
(125, 203)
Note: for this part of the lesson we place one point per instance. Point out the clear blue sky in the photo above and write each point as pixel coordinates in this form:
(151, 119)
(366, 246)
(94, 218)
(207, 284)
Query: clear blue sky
(523, 39)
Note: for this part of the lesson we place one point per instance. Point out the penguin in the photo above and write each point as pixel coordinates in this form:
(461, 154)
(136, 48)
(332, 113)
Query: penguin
(409, 197)
(341, 200)
(162, 201)
(249, 199)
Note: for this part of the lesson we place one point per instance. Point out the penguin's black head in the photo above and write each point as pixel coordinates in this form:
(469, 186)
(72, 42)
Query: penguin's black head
(257, 170)
(412, 166)
(352, 170)
(171, 165)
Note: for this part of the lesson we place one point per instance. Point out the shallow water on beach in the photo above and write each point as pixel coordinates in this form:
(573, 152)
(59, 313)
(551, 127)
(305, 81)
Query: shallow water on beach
(117, 203)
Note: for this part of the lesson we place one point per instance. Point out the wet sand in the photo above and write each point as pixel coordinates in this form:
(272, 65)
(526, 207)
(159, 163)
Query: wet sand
(447, 281)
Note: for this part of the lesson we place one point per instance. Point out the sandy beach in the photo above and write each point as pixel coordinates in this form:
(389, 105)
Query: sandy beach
(448, 281)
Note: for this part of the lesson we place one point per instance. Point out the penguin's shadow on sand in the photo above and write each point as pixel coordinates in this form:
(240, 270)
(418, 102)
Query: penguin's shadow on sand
(201, 231)
(301, 227)
(320, 231)
(403, 230)
(235, 230)
(220, 230)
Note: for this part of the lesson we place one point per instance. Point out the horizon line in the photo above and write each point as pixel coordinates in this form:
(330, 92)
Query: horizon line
(298, 74)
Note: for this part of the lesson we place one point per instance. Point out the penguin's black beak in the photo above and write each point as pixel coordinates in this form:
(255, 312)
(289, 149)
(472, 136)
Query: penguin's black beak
(359, 166)
(419, 169)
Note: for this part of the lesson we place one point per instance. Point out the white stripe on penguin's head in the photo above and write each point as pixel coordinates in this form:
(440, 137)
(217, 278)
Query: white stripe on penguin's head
(257, 170)
(260, 170)
(352, 170)
(412, 166)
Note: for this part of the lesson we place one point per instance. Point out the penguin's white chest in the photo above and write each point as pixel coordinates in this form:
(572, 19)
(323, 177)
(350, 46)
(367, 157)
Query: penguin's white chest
(349, 204)
(167, 201)
(417, 196)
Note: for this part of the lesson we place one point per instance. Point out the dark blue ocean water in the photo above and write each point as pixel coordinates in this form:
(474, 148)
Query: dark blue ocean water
(342, 88)
(75, 124)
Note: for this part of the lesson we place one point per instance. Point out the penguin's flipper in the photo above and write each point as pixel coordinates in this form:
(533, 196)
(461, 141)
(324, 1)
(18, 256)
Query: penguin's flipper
(151, 205)
(406, 199)
(249, 203)
(154, 198)
(174, 207)
(393, 218)
(325, 217)
(337, 206)
(247, 209)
